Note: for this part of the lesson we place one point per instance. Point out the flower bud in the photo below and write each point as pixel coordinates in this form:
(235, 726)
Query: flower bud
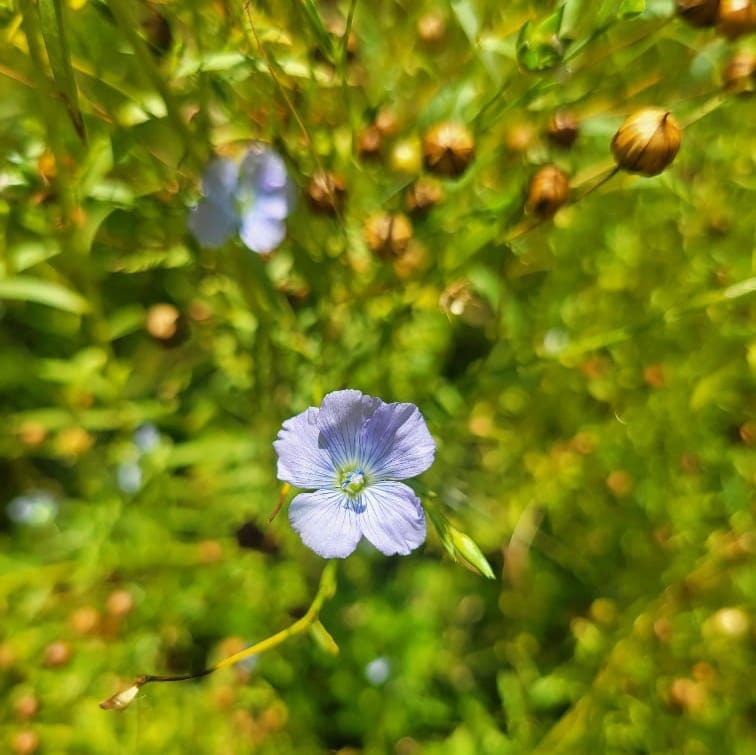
(388, 236)
(548, 191)
(740, 73)
(698, 12)
(326, 192)
(422, 195)
(448, 148)
(563, 129)
(736, 17)
(647, 141)
(369, 141)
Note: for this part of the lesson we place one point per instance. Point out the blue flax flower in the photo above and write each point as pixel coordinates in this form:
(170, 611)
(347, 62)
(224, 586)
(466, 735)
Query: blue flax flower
(353, 451)
(252, 199)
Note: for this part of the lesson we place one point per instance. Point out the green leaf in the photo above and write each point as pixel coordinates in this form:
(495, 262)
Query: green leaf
(539, 46)
(22, 288)
(53, 32)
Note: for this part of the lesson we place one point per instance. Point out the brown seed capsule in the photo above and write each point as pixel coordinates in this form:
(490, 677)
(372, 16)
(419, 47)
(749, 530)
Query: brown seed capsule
(620, 482)
(26, 706)
(168, 326)
(326, 192)
(740, 73)
(431, 27)
(647, 141)
(448, 148)
(369, 142)
(736, 17)
(563, 129)
(387, 122)
(548, 191)
(57, 653)
(119, 603)
(85, 620)
(388, 236)
(25, 742)
(422, 195)
(698, 12)
(520, 137)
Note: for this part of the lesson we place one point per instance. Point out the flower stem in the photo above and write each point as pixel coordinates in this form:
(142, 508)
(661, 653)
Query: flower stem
(326, 590)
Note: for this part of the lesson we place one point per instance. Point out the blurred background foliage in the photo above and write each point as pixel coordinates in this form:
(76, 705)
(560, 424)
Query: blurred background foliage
(588, 377)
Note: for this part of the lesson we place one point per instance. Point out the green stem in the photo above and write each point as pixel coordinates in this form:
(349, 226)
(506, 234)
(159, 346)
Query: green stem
(326, 590)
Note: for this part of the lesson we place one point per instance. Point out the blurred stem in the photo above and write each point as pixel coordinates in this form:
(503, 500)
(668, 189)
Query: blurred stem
(122, 11)
(326, 590)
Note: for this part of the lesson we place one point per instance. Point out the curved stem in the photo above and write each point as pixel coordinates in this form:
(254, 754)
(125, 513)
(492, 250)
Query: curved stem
(326, 590)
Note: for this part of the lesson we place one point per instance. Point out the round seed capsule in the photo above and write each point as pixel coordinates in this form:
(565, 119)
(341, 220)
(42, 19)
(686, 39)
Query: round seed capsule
(448, 149)
(388, 235)
(736, 17)
(422, 195)
(647, 141)
(740, 73)
(698, 12)
(563, 129)
(327, 192)
(548, 191)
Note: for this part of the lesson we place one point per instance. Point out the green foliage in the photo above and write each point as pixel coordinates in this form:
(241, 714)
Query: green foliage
(588, 378)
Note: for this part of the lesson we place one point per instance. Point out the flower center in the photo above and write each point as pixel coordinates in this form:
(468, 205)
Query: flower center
(353, 481)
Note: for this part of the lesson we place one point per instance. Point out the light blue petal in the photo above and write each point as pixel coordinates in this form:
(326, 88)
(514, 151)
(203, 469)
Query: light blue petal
(342, 415)
(219, 180)
(301, 461)
(325, 523)
(262, 171)
(393, 519)
(212, 224)
(396, 443)
(260, 233)
(275, 206)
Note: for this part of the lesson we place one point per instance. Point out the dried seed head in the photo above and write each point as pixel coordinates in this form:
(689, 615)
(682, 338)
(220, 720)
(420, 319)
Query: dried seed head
(369, 141)
(431, 27)
(698, 12)
(57, 653)
(388, 236)
(736, 17)
(548, 191)
(563, 129)
(326, 192)
(448, 148)
(647, 141)
(422, 195)
(740, 73)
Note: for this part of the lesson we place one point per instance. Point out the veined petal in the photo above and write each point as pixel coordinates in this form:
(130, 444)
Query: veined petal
(393, 519)
(396, 443)
(219, 179)
(301, 461)
(342, 415)
(261, 234)
(325, 523)
(212, 223)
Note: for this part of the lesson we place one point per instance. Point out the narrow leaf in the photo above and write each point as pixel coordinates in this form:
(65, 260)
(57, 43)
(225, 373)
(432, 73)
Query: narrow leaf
(22, 288)
(53, 32)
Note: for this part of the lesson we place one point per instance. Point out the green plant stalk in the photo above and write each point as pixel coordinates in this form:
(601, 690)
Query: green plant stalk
(326, 590)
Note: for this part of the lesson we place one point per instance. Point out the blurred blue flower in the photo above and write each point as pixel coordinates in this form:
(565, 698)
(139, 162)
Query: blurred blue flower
(378, 671)
(36, 508)
(352, 451)
(129, 477)
(146, 437)
(252, 199)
